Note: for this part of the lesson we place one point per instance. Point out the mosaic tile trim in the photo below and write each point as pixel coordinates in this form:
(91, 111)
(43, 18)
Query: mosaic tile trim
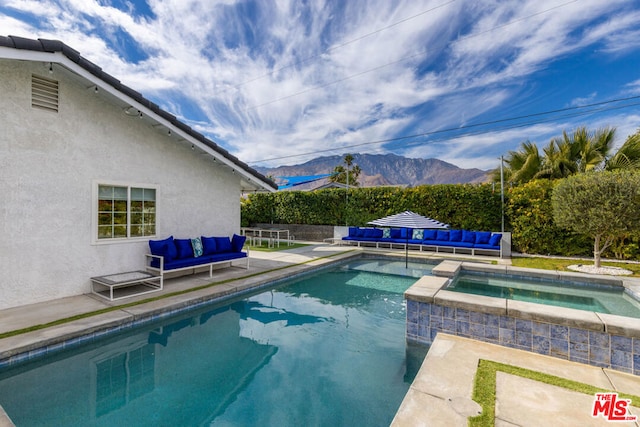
(425, 320)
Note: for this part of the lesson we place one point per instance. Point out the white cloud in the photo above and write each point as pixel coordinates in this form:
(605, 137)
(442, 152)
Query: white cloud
(295, 78)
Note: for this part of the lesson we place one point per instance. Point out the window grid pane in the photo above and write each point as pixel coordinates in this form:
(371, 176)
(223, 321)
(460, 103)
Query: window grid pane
(126, 212)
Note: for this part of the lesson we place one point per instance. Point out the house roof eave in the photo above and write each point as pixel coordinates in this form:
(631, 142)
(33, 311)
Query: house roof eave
(57, 52)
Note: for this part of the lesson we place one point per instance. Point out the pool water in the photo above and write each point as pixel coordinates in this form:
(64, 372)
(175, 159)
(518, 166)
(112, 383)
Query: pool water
(324, 350)
(598, 298)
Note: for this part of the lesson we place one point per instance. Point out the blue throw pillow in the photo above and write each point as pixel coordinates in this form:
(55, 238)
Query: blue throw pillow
(418, 234)
(196, 246)
(495, 239)
(237, 242)
(468, 236)
(360, 232)
(429, 235)
(442, 235)
(377, 233)
(386, 233)
(223, 244)
(184, 248)
(395, 233)
(208, 245)
(482, 237)
(405, 233)
(455, 235)
(164, 248)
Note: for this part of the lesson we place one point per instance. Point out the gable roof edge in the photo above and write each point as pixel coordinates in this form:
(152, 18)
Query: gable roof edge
(56, 46)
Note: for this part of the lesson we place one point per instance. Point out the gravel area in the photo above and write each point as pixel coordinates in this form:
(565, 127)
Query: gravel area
(591, 269)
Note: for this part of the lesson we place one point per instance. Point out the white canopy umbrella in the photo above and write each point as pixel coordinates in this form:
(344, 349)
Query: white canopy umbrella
(408, 219)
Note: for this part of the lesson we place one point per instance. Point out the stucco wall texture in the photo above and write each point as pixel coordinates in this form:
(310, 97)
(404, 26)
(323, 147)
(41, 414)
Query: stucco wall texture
(50, 164)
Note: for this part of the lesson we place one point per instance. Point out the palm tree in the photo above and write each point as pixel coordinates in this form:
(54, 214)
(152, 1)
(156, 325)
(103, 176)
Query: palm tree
(348, 175)
(592, 149)
(580, 151)
(559, 160)
(627, 156)
(521, 165)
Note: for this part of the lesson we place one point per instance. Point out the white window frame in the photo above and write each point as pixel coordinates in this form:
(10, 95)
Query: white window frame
(94, 212)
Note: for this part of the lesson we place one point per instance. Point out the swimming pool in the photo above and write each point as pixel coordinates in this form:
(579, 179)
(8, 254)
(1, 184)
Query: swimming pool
(585, 296)
(325, 349)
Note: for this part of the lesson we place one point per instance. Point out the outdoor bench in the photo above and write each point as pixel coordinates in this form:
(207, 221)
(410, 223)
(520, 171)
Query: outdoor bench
(462, 241)
(175, 255)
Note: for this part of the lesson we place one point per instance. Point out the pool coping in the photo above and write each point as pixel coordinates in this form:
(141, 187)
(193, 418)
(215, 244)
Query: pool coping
(431, 289)
(30, 345)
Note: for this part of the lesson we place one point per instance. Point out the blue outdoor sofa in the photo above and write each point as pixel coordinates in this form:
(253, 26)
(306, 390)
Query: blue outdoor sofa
(173, 255)
(463, 241)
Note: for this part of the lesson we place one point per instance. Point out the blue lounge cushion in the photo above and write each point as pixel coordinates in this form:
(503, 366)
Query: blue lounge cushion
(405, 233)
(429, 235)
(395, 233)
(223, 244)
(442, 235)
(184, 248)
(418, 234)
(482, 237)
(495, 239)
(237, 242)
(196, 246)
(368, 232)
(165, 248)
(455, 235)
(208, 245)
(360, 232)
(468, 236)
(386, 233)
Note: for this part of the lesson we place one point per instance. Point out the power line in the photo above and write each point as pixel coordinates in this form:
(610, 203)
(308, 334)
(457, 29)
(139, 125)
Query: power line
(589, 109)
(422, 52)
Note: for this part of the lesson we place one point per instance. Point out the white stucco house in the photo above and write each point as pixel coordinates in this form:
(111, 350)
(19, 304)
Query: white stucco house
(90, 171)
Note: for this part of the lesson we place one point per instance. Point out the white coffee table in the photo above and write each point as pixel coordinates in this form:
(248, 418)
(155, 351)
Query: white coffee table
(140, 282)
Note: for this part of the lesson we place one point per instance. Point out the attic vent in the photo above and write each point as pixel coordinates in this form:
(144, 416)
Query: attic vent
(44, 93)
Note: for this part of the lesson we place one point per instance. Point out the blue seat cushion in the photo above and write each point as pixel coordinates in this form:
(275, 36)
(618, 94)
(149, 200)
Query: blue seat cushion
(459, 244)
(193, 262)
(165, 248)
(495, 239)
(184, 248)
(482, 237)
(455, 235)
(237, 242)
(442, 235)
(468, 236)
(223, 244)
(208, 245)
(429, 235)
(486, 246)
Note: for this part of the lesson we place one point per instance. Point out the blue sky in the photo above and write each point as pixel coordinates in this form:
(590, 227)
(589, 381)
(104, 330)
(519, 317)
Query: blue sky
(281, 82)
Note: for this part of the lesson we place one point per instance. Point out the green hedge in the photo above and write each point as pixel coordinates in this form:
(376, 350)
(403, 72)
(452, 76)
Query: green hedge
(475, 207)
(528, 213)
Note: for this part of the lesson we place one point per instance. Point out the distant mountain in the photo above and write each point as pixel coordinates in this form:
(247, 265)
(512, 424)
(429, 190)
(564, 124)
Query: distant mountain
(384, 169)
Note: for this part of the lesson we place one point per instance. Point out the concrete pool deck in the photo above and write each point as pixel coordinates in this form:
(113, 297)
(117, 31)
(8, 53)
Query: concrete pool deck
(427, 401)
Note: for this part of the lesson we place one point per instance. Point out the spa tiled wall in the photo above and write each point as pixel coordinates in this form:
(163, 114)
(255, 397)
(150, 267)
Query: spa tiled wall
(425, 320)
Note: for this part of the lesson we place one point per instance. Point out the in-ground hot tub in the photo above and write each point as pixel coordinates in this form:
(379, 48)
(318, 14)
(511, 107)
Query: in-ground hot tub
(588, 336)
